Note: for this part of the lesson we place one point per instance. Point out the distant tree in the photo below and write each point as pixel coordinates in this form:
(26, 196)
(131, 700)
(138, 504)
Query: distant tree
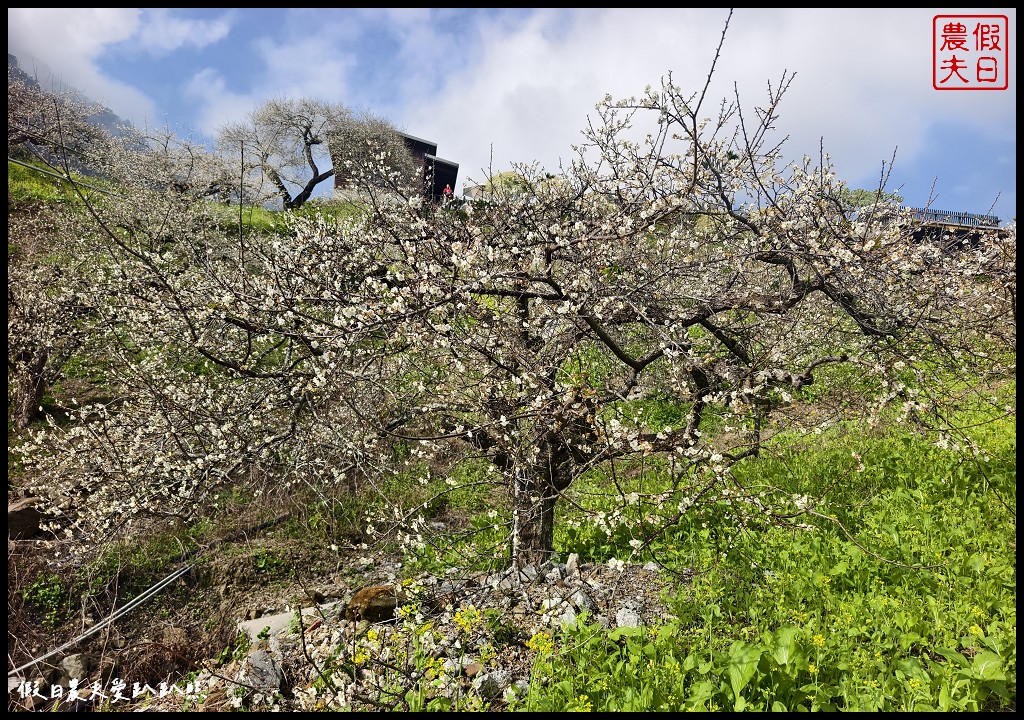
(857, 201)
(284, 142)
(371, 155)
(45, 305)
(855, 198)
(42, 124)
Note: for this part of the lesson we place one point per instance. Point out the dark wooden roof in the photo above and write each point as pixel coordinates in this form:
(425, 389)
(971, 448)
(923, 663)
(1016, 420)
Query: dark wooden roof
(436, 172)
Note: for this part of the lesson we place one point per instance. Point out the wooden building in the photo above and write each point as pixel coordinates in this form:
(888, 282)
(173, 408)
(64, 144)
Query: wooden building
(435, 173)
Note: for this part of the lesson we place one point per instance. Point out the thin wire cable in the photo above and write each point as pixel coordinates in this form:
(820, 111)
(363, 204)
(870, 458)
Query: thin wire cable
(124, 609)
(59, 176)
(153, 590)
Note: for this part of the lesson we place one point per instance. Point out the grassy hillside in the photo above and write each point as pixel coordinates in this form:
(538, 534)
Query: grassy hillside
(893, 590)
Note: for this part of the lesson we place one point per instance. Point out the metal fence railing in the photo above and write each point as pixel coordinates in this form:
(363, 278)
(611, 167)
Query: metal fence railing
(950, 217)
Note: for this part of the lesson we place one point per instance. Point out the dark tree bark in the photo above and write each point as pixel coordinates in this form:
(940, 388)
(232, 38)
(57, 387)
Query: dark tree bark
(29, 387)
(534, 531)
(537, 489)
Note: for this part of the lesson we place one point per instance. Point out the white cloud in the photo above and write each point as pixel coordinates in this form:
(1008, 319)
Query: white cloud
(863, 81)
(285, 74)
(311, 67)
(60, 47)
(523, 81)
(161, 33)
(68, 33)
(218, 105)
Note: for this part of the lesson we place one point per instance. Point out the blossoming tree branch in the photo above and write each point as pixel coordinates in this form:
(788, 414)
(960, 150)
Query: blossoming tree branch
(676, 260)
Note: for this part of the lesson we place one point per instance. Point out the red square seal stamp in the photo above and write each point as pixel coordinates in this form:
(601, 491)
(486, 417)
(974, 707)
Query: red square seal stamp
(970, 52)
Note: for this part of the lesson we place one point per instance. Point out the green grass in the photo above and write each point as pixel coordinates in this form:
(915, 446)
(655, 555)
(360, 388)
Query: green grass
(27, 186)
(898, 593)
(48, 595)
(914, 610)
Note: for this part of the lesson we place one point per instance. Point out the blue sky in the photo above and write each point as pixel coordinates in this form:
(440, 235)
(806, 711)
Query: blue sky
(494, 87)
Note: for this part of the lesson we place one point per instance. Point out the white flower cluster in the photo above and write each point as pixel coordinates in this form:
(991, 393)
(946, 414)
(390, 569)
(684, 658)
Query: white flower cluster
(629, 308)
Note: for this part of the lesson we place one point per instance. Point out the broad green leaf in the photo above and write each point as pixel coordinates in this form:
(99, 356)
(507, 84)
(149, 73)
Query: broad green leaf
(908, 639)
(988, 666)
(785, 643)
(701, 691)
(440, 704)
(999, 688)
(912, 668)
(953, 656)
(743, 658)
(621, 632)
(944, 703)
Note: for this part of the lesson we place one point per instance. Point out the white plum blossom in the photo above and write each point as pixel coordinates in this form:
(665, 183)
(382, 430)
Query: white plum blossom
(648, 295)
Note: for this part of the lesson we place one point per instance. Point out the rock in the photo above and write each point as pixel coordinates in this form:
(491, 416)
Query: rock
(567, 618)
(76, 667)
(22, 519)
(263, 672)
(628, 617)
(516, 610)
(376, 603)
(528, 573)
(458, 666)
(583, 601)
(572, 565)
(491, 685)
(517, 690)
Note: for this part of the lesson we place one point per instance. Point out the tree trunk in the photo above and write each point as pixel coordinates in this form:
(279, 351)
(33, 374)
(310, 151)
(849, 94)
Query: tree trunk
(29, 387)
(533, 523)
(535, 492)
(535, 484)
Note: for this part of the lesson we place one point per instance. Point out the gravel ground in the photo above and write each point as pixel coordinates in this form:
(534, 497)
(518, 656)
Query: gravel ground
(471, 639)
